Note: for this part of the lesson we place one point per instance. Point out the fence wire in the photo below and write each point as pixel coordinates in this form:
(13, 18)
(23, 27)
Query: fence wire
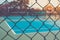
(47, 14)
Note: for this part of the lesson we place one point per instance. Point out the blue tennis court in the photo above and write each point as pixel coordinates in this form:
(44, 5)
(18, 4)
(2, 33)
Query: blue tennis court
(29, 25)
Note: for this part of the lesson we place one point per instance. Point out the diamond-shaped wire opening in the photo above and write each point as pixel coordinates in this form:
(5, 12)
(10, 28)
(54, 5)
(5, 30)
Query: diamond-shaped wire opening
(36, 23)
(36, 6)
(54, 2)
(43, 2)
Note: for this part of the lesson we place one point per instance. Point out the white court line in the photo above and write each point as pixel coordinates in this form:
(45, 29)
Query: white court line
(10, 27)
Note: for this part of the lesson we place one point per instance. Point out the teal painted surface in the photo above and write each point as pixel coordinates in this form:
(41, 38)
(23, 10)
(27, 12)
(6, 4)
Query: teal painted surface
(23, 24)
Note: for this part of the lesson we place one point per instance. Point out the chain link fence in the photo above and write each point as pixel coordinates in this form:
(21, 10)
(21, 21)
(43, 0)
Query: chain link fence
(29, 19)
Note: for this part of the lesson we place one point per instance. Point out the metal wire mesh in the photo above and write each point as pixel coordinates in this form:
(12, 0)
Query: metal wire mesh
(38, 10)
